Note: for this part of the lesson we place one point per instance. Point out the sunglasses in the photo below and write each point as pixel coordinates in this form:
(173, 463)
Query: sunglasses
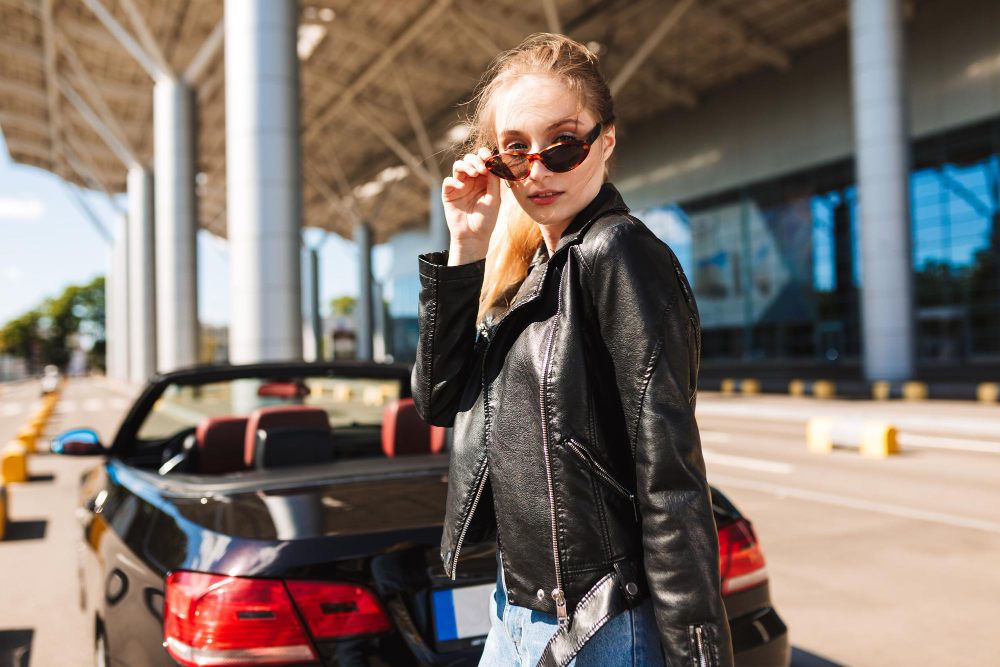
(559, 157)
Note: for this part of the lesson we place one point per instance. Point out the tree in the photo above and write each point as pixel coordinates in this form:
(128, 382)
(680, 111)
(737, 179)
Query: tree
(343, 305)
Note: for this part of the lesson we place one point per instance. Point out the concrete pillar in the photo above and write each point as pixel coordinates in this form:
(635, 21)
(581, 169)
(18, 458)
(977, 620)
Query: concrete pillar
(142, 283)
(110, 335)
(440, 236)
(315, 319)
(263, 188)
(176, 226)
(118, 346)
(364, 310)
(881, 137)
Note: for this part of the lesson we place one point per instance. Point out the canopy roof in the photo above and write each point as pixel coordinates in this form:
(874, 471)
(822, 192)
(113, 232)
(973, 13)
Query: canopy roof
(381, 82)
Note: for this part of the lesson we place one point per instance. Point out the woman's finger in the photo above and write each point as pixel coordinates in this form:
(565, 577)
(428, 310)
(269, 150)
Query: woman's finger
(450, 185)
(484, 153)
(476, 162)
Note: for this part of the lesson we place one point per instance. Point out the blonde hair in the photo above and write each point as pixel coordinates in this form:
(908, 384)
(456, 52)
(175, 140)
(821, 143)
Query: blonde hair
(516, 237)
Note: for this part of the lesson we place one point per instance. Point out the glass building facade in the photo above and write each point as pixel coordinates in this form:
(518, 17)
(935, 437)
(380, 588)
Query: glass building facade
(776, 265)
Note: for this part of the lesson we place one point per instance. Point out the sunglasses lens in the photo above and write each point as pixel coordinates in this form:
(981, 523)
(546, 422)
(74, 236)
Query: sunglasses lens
(511, 167)
(564, 157)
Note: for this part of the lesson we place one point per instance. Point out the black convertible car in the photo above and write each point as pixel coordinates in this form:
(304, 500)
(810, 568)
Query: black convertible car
(291, 514)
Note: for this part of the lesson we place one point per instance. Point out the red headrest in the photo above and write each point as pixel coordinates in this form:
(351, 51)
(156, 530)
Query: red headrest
(279, 415)
(404, 432)
(220, 444)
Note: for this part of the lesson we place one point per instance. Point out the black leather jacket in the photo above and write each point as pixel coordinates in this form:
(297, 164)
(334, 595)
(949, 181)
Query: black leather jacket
(575, 437)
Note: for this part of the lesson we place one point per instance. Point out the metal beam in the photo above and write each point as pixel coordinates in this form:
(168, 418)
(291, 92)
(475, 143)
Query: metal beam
(153, 49)
(552, 16)
(209, 48)
(416, 29)
(86, 170)
(478, 36)
(368, 119)
(91, 89)
(755, 47)
(88, 212)
(335, 202)
(666, 24)
(116, 144)
(419, 129)
(51, 94)
(125, 39)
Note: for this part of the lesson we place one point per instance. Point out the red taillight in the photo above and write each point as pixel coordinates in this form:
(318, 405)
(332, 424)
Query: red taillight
(741, 558)
(217, 620)
(338, 610)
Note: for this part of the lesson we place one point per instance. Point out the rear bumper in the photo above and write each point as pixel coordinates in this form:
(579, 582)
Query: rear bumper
(762, 639)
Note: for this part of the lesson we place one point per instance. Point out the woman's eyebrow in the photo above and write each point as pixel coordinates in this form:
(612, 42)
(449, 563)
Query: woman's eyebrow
(559, 123)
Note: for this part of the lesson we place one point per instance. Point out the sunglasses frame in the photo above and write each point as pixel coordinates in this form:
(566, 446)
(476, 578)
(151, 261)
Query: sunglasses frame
(587, 142)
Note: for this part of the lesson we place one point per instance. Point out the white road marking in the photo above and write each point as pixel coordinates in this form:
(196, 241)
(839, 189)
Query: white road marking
(716, 436)
(760, 465)
(857, 503)
(92, 405)
(937, 442)
(12, 409)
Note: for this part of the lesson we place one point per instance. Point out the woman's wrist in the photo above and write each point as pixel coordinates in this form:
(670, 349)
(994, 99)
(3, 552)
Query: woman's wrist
(465, 253)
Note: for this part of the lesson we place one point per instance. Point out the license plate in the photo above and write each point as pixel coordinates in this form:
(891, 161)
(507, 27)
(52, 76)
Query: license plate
(460, 613)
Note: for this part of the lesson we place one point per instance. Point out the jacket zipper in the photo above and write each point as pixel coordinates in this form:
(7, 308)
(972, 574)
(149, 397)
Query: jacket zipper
(468, 520)
(489, 334)
(700, 645)
(601, 472)
(557, 593)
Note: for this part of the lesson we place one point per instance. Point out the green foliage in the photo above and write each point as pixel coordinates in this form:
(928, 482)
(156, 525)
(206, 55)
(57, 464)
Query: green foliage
(49, 333)
(343, 305)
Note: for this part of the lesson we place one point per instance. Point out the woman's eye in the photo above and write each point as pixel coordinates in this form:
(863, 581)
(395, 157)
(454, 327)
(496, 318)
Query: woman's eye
(564, 137)
(516, 146)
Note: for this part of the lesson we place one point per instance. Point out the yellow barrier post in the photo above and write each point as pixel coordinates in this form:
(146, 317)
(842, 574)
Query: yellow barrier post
(27, 436)
(728, 387)
(880, 390)
(914, 391)
(797, 388)
(819, 435)
(750, 387)
(878, 440)
(988, 392)
(824, 389)
(14, 463)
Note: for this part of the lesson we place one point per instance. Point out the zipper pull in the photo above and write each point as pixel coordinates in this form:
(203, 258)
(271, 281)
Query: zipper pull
(635, 506)
(561, 615)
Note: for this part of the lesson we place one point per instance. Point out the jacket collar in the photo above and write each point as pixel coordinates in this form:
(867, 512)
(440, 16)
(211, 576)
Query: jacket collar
(608, 199)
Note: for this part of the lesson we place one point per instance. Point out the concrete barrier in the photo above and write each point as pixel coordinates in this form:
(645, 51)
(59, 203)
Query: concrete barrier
(797, 388)
(750, 387)
(28, 437)
(14, 463)
(728, 387)
(873, 438)
(880, 390)
(819, 435)
(824, 389)
(878, 440)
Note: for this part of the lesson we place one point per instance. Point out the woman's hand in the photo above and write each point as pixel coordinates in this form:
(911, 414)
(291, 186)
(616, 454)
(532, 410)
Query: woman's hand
(471, 197)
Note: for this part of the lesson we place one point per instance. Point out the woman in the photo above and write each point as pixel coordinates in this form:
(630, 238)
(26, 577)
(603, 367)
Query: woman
(563, 346)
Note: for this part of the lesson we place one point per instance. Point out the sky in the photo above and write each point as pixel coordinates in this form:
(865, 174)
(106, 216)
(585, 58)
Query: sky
(47, 243)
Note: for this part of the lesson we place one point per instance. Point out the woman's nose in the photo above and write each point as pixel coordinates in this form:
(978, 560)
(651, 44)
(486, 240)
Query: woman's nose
(538, 170)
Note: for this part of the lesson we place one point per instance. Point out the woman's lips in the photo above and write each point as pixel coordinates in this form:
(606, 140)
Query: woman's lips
(545, 198)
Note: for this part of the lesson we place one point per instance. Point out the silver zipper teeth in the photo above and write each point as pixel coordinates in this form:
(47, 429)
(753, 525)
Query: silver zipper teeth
(486, 408)
(468, 521)
(557, 594)
(700, 641)
(599, 469)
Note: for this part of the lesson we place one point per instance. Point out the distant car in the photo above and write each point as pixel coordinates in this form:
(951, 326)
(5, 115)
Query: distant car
(291, 514)
(50, 379)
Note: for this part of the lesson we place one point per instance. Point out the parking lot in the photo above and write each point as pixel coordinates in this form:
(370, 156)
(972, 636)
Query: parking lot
(871, 562)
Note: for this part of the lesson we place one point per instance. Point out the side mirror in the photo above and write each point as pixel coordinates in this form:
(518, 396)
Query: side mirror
(78, 442)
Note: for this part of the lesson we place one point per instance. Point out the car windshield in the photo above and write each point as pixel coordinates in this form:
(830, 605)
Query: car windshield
(346, 401)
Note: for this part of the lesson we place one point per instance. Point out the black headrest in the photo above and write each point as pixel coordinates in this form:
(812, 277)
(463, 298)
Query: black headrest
(283, 446)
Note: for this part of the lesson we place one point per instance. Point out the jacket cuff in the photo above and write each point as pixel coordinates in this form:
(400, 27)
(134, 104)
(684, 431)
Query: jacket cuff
(435, 265)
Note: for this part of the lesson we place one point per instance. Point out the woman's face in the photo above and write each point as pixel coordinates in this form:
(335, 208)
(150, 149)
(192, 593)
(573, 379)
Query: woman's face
(534, 112)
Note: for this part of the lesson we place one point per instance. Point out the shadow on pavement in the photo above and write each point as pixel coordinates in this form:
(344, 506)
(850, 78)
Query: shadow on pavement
(804, 658)
(15, 647)
(25, 530)
(48, 477)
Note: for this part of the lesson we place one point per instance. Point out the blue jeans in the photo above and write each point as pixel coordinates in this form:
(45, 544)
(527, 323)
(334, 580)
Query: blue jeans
(518, 636)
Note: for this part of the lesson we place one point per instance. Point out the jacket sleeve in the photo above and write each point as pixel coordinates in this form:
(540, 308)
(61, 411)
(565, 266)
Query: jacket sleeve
(446, 318)
(649, 323)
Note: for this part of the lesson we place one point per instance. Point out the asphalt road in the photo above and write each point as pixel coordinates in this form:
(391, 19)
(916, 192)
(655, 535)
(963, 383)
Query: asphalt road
(872, 562)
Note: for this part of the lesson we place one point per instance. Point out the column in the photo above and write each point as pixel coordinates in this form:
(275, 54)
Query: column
(440, 236)
(364, 312)
(142, 283)
(263, 189)
(176, 226)
(881, 137)
(119, 344)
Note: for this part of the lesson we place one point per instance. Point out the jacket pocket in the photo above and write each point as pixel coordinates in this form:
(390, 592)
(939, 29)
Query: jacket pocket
(702, 646)
(592, 463)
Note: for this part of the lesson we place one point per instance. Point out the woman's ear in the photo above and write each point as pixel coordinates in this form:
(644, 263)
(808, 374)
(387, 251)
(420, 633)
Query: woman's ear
(609, 142)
